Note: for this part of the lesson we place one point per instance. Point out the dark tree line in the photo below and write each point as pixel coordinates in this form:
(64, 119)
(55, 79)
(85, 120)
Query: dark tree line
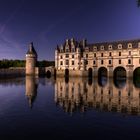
(138, 3)
(21, 63)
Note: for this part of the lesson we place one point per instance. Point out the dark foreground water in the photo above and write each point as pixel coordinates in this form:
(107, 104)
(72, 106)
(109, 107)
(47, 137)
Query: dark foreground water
(32, 108)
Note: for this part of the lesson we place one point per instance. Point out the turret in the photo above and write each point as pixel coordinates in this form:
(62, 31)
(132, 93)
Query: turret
(31, 59)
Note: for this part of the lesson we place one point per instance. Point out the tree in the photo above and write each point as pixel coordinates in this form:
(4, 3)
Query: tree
(138, 3)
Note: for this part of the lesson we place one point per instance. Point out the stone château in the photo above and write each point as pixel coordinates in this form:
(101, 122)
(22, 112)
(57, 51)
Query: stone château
(75, 58)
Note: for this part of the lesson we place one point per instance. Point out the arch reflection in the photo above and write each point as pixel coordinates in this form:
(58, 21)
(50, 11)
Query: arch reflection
(80, 95)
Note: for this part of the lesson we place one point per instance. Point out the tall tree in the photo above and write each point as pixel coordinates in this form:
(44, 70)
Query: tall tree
(138, 3)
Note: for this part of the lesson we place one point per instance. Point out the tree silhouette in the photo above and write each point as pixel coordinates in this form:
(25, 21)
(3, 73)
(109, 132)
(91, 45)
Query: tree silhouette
(138, 3)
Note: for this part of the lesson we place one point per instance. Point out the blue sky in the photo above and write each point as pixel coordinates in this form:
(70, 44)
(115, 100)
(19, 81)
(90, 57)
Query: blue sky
(49, 22)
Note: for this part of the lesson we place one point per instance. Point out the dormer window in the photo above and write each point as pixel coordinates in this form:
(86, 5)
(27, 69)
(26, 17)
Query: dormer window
(139, 44)
(73, 50)
(110, 47)
(102, 47)
(129, 45)
(95, 48)
(120, 46)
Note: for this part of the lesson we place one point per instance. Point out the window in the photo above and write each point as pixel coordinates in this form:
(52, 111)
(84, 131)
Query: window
(129, 52)
(67, 50)
(110, 47)
(86, 55)
(119, 53)
(94, 54)
(102, 62)
(102, 47)
(102, 54)
(67, 62)
(120, 62)
(110, 54)
(73, 50)
(72, 62)
(129, 45)
(67, 55)
(72, 56)
(94, 62)
(109, 61)
(61, 62)
(95, 48)
(120, 46)
(61, 57)
(86, 62)
(129, 61)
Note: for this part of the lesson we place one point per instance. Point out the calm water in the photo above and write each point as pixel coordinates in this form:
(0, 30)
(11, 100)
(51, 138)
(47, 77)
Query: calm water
(76, 108)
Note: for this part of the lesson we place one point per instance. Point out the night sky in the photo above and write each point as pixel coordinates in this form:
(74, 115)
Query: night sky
(49, 22)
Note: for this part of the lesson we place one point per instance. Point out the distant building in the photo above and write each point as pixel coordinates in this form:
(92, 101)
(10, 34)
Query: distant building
(75, 58)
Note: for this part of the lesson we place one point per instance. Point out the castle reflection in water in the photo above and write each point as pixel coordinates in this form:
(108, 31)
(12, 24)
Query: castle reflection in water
(81, 94)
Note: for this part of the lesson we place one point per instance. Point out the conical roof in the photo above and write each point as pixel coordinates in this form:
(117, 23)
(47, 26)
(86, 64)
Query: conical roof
(31, 49)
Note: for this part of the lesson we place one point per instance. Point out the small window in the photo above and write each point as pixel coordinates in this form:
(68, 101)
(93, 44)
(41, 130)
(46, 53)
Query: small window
(102, 47)
(95, 48)
(94, 62)
(110, 47)
(73, 50)
(109, 61)
(61, 57)
(102, 54)
(86, 62)
(129, 61)
(67, 62)
(120, 62)
(120, 46)
(73, 56)
(72, 62)
(129, 52)
(67, 50)
(102, 62)
(110, 54)
(67, 55)
(94, 54)
(61, 62)
(130, 45)
(86, 55)
(119, 53)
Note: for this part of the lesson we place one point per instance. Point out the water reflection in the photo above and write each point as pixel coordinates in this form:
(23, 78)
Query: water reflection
(79, 94)
(31, 89)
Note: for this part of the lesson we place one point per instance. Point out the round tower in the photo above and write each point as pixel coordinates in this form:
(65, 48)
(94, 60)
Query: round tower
(31, 59)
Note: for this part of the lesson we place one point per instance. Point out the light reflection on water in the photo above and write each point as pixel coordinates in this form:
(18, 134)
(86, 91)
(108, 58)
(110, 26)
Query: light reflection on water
(69, 108)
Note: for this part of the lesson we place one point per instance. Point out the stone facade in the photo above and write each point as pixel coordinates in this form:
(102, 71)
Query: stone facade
(78, 58)
(31, 59)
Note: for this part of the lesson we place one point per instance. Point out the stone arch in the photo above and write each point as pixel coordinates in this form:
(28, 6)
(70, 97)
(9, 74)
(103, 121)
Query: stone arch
(90, 72)
(102, 72)
(136, 77)
(48, 73)
(119, 72)
(66, 72)
(102, 76)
